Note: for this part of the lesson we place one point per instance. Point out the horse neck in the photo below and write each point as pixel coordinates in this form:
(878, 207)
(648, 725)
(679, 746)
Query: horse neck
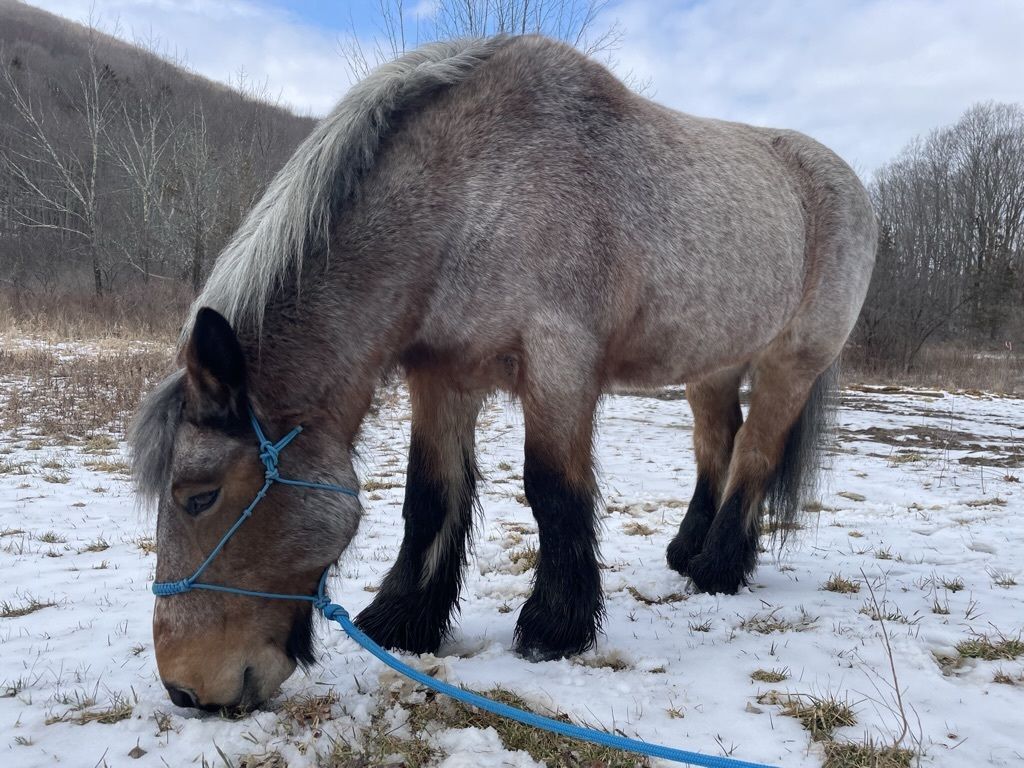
(303, 367)
(326, 347)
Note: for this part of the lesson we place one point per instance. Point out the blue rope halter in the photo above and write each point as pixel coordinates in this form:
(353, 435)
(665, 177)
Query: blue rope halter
(269, 454)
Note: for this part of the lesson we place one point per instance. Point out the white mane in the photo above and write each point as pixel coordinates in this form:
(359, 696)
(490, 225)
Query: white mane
(294, 214)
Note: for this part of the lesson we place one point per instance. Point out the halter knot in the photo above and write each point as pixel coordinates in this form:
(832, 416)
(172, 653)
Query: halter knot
(331, 611)
(269, 455)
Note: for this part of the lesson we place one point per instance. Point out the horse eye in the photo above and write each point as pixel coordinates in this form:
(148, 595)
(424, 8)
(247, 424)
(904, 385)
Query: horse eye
(201, 502)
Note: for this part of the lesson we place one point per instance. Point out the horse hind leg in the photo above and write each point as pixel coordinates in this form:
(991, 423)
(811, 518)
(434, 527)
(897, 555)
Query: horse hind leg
(717, 416)
(774, 458)
(413, 609)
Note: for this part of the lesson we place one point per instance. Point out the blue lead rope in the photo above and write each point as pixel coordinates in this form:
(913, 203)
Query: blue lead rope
(269, 454)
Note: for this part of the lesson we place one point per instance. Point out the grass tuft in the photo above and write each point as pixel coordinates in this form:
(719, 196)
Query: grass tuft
(146, 545)
(99, 444)
(844, 586)
(991, 647)
(311, 710)
(820, 715)
(30, 605)
(770, 675)
(866, 755)
(636, 528)
(672, 597)
(524, 558)
(769, 623)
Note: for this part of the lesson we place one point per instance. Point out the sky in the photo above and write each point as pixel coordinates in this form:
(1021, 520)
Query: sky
(863, 76)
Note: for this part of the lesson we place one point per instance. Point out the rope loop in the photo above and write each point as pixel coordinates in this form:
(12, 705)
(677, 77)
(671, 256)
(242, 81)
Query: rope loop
(269, 455)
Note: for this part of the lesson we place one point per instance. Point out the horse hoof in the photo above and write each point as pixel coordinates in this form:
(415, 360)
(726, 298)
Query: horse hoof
(545, 634)
(393, 624)
(680, 552)
(712, 576)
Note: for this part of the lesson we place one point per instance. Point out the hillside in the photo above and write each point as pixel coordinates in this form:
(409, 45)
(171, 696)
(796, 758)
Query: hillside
(178, 159)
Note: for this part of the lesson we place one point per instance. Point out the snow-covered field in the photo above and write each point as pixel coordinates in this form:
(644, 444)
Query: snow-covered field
(923, 507)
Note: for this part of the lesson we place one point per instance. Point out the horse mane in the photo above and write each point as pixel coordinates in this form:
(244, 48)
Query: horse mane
(294, 215)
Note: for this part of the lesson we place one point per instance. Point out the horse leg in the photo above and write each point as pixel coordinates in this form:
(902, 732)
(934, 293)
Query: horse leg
(715, 403)
(772, 454)
(564, 610)
(413, 608)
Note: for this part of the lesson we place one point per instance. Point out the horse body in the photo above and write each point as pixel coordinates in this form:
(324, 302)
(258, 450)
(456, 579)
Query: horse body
(515, 219)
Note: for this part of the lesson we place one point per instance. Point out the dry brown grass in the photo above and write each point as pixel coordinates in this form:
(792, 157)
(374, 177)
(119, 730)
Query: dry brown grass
(10, 610)
(820, 715)
(149, 312)
(841, 584)
(991, 647)
(944, 367)
(770, 675)
(69, 398)
(380, 744)
(866, 754)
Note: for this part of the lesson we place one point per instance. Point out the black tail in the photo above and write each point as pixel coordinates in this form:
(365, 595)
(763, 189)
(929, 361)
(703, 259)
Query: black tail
(797, 475)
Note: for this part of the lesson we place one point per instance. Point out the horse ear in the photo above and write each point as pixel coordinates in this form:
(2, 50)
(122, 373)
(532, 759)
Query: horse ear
(215, 364)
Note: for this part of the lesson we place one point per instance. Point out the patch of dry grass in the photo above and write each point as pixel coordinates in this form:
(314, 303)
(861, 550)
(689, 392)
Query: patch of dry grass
(381, 745)
(820, 715)
(64, 397)
(866, 754)
(942, 366)
(636, 528)
(110, 466)
(29, 605)
(119, 709)
(770, 675)
(146, 545)
(842, 585)
(672, 597)
(525, 557)
(309, 711)
(770, 622)
(991, 647)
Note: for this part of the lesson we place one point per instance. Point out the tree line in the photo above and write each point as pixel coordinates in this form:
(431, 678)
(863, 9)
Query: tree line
(950, 263)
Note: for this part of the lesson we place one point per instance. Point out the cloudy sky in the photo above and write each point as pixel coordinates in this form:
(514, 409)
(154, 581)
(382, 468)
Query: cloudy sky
(864, 76)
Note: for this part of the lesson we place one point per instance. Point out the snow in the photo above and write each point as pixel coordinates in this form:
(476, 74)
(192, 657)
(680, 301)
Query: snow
(671, 667)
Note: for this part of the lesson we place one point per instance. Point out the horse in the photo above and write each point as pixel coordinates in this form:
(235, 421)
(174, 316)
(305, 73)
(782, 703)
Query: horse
(484, 216)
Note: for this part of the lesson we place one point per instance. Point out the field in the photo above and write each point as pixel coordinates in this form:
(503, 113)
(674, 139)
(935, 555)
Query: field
(886, 633)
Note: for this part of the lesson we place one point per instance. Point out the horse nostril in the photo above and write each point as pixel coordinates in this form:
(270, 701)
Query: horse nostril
(182, 697)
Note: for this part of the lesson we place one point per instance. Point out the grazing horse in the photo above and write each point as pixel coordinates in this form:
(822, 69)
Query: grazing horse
(487, 215)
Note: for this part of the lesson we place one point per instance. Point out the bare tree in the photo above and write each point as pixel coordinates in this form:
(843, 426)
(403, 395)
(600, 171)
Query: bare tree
(573, 21)
(195, 182)
(63, 176)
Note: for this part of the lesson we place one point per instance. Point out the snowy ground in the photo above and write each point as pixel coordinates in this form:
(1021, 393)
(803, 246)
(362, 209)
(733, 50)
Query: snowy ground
(924, 503)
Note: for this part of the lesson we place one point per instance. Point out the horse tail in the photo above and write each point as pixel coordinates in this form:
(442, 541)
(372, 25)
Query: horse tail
(797, 475)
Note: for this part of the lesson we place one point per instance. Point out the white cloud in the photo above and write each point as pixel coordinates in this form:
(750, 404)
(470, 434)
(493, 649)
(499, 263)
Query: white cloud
(863, 76)
(298, 62)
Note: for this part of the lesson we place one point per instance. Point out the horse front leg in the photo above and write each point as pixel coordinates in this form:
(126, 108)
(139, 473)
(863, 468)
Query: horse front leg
(564, 611)
(413, 609)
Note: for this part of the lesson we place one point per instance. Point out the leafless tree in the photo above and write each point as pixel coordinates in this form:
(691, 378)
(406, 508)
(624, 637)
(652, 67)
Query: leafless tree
(195, 183)
(399, 28)
(64, 176)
